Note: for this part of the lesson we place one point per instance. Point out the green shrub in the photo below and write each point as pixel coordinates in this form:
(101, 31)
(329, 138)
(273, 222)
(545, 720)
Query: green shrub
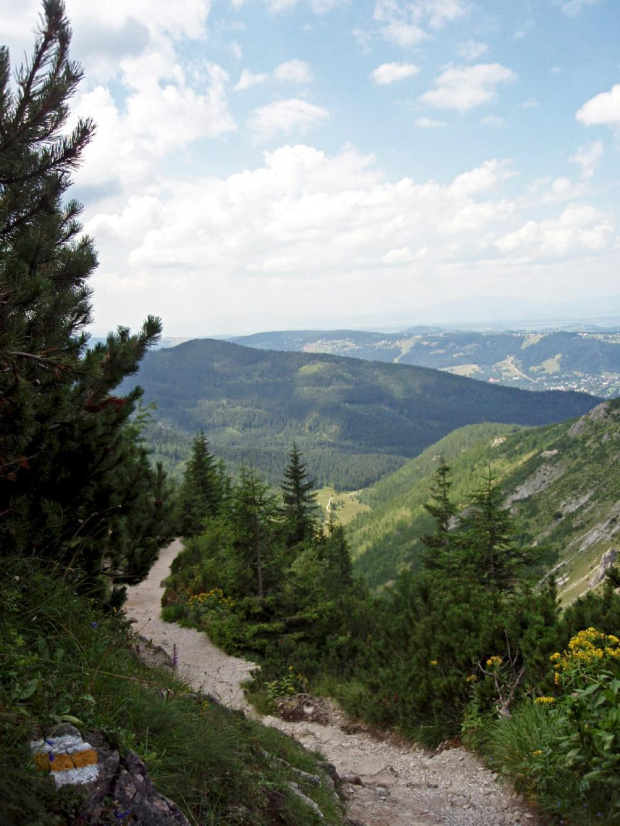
(64, 660)
(565, 750)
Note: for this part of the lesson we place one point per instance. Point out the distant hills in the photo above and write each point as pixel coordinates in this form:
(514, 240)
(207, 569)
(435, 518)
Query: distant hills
(586, 361)
(354, 420)
(561, 482)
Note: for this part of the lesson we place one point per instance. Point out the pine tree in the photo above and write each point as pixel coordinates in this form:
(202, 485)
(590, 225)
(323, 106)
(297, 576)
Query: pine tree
(334, 549)
(201, 493)
(299, 500)
(442, 542)
(486, 535)
(254, 517)
(66, 447)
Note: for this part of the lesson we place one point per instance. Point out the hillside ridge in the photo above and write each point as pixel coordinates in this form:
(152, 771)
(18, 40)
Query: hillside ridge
(556, 359)
(354, 420)
(560, 482)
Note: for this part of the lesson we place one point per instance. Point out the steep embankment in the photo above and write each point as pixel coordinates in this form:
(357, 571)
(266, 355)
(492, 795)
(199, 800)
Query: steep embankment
(354, 420)
(560, 481)
(398, 784)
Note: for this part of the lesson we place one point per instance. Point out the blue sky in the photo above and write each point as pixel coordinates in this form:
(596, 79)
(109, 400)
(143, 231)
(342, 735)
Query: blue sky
(276, 164)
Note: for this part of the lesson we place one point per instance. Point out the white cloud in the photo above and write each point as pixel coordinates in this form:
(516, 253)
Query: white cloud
(317, 6)
(485, 178)
(579, 229)
(561, 186)
(108, 32)
(472, 50)
(573, 7)
(557, 190)
(494, 121)
(162, 113)
(587, 157)
(285, 117)
(391, 72)
(429, 123)
(398, 256)
(315, 214)
(176, 18)
(602, 110)
(363, 38)
(522, 32)
(293, 71)
(248, 79)
(404, 34)
(465, 87)
(408, 22)
(275, 237)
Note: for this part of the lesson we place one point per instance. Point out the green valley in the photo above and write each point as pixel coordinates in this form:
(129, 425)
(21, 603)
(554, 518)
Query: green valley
(560, 481)
(355, 421)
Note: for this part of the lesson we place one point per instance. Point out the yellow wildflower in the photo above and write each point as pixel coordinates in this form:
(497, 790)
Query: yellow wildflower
(492, 661)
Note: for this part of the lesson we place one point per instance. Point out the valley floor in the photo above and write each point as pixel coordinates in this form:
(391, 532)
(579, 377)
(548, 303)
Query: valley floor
(401, 785)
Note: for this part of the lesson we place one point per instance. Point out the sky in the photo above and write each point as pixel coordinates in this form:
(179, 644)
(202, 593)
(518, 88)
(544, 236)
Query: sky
(286, 164)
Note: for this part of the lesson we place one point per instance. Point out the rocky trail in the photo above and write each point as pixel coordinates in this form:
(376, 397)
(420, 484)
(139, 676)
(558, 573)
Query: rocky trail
(392, 783)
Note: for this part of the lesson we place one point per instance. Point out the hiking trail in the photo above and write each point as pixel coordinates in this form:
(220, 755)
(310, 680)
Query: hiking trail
(394, 783)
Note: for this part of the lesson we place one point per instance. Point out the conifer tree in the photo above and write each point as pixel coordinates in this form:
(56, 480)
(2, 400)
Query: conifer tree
(441, 543)
(486, 535)
(334, 548)
(254, 516)
(201, 492)
(299, 500)
(66, 447)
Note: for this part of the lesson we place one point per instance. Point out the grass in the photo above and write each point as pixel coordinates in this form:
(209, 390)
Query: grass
(61, 659)
(525, 749)
(345, 504)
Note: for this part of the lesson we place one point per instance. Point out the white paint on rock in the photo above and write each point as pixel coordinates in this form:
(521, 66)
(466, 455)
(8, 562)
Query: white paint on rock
(67, 744)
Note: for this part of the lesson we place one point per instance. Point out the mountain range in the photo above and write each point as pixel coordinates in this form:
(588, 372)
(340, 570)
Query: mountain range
(354, 420)
(552, 360)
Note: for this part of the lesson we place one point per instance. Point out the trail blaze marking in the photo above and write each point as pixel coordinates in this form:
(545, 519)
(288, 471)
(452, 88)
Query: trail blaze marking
(69, 759)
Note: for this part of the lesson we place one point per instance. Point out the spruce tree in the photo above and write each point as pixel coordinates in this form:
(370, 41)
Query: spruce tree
(254, 516)
(66, 447)
(334, 549)
(202, 489)
(442, 542)
(486, 535)
(299, 500)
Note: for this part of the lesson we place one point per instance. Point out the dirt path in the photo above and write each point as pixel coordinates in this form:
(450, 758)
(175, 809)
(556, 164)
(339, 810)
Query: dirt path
(401, 784)
(199, 662)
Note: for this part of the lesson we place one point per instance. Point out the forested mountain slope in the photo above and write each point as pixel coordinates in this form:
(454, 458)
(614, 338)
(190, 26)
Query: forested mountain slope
(561, 482)
(354, 420)
(588, 361)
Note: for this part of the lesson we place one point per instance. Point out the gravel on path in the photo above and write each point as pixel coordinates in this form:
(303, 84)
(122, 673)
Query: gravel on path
(399, 784)
(200, 663)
